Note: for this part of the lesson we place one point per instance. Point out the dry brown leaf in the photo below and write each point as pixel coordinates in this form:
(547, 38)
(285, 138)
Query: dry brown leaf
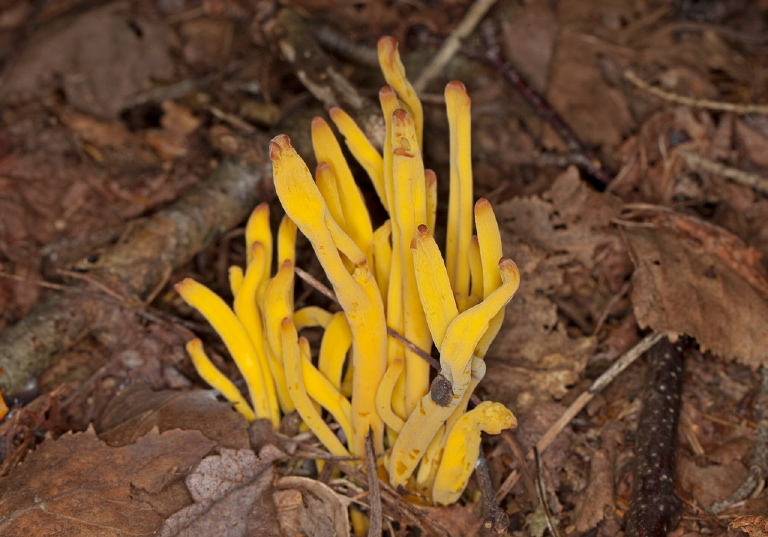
(77, 485)
(534, 358)
(753, 143)
(138, 409)
(233, 497)
(597, 502)
(710, 484)
(681, 289)
(756, 526)
(309, 507)
(102, 58)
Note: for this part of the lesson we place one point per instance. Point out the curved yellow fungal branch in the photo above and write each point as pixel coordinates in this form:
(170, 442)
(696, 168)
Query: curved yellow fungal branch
(410, 210)
(433, 284)
(363, 151)
(384, 396)
(463, 448)
(464, 333)
(430, 180)
(357, 222)
(459, 231)
(476, 270)
(215, 378)
(334, 347)
(357, 293)
(257, 230)
(425, 476)
(382, 257)
(235, 275)
(286, 240)
(312, 316)
(324, 393)
(231, 331)
(394, 73)
(278, 304)
(456, 359)
(489, 243)
(249, 316)
(298, 392)
(329, 188)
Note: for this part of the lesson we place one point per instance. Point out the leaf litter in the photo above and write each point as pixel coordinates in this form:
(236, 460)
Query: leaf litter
(675, 246)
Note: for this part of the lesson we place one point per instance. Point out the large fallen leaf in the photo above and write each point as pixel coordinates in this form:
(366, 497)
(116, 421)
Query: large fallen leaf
(534, 359)
(233, 497)
(77, 485)
(677, 287)
(102, 58)
(138, 409)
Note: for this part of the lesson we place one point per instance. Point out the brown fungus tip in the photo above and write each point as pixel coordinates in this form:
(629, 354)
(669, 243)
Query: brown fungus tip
(430, 176)
(423, 230)
(317, 122)
(335, 112)
(400, 115)
(183, 283)
(386, 92)
(286, 322)
(387, 43)
(286, 264)
(482, 204)
(456, 85)
(322, 167)
(277, 145)
(506, 263)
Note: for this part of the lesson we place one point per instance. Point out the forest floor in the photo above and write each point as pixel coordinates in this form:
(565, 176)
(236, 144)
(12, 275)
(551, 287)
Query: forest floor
(633, 199)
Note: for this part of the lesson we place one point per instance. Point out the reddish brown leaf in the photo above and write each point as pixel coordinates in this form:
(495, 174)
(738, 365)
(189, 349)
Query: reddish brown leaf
(233, 497)
(79, 485)
(138, 409)
(681, 289)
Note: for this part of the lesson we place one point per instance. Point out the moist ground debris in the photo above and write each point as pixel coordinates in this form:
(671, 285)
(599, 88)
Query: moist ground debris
(622, 145)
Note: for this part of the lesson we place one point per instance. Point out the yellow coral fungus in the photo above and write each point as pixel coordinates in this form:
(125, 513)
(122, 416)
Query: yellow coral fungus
(393, 277)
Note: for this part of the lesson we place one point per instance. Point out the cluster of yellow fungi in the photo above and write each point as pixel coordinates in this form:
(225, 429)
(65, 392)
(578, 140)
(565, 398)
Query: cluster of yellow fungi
(394, 276)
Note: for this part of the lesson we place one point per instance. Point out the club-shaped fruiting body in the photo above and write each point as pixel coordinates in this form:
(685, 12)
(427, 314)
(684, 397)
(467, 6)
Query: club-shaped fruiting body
(391, 277)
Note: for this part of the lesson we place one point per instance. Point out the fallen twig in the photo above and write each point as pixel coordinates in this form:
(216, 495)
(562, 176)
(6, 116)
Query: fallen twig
(132, 268)
(582, 157)
(581, 401)
(452, 44)
(735, 108)
(374, 487)
(494, 518)
(701, 163)
(655, 508)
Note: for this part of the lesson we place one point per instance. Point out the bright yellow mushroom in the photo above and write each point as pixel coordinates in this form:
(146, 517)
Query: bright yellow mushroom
(394, 277)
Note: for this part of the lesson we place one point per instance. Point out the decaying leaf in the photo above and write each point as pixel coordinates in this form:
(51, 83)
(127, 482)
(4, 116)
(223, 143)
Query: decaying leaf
(713, 483)
(233, 497)
(534, 358)
(78, 485)
(598, 499)
(138, 409)
(100, 59)
(756, 526)
(310, 507)
(679, 288)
